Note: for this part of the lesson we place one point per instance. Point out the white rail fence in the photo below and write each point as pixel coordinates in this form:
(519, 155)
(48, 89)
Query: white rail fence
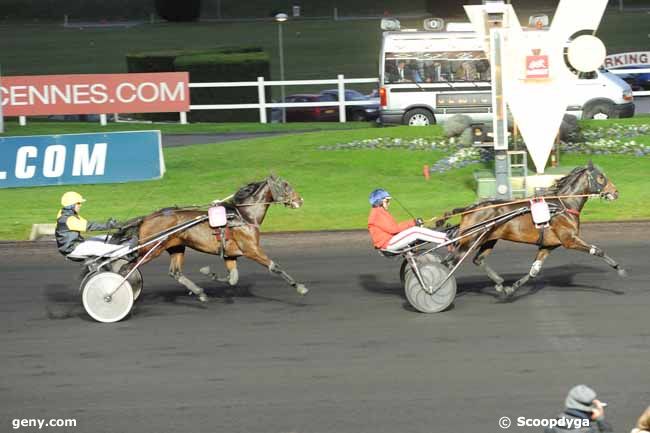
(340, 82)
(262, 105)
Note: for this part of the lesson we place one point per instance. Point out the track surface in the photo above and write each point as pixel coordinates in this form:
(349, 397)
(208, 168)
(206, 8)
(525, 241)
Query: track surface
(350, 357)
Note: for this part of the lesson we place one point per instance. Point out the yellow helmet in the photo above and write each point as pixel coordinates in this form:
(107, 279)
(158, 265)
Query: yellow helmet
(70, 198)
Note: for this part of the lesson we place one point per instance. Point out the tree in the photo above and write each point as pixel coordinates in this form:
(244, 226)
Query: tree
(178, 11)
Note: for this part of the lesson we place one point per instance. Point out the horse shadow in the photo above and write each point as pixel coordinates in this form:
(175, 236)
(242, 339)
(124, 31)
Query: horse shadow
(559, 278)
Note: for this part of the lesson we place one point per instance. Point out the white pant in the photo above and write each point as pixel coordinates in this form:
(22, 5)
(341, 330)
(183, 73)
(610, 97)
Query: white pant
(408, 236)
(94, 247)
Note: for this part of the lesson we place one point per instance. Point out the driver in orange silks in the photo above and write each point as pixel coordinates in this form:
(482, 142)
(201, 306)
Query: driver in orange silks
(387, 234)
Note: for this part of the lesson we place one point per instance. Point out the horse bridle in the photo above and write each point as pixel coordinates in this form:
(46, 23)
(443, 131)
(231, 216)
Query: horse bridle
(594, 185)
(278, 194)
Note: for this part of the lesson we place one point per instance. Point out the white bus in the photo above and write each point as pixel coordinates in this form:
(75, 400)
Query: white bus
(426, 77)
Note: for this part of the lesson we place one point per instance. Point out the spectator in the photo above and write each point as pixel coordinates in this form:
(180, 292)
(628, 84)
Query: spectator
(583, 413)
(643, 424)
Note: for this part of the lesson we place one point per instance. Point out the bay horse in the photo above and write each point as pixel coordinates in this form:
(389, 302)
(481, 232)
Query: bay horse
(249, 205)
(563, 229)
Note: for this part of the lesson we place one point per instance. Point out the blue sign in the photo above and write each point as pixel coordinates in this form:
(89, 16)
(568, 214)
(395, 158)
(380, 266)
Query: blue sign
(80, 158)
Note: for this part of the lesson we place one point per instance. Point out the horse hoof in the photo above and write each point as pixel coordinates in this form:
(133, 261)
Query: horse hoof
(203, 297)
(499, 288)
(301, 289)
(622, 273)
(205, 270)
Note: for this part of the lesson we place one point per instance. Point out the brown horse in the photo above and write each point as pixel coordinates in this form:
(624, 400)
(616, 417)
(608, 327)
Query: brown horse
(249, 206)
(563, 227)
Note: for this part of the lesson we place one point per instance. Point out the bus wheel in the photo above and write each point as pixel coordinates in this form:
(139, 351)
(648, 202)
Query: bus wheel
(419, 117)
(599, 110)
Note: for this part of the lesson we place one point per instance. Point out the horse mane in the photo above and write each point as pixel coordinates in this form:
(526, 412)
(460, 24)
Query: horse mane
(247, 191)
(567, 180)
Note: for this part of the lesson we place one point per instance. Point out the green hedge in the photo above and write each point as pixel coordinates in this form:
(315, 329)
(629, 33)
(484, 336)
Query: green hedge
(219, 64)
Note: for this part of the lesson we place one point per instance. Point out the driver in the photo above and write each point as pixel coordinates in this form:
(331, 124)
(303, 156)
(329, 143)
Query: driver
(389, 235)
(70, 225)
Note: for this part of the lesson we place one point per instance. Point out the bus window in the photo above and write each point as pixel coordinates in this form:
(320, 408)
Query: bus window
(434, 67)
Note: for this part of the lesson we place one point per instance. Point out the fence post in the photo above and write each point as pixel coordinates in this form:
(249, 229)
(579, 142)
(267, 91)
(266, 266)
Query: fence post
(341, 99)
(261, 95)
(336, 14)
(22, 120)
(183, 118)
(102, 119)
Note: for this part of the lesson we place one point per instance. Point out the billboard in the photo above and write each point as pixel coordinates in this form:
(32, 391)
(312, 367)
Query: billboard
(38, 95)
(80, 158)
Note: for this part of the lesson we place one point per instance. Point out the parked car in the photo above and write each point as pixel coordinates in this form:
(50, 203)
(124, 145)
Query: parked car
(640, 81)
(355, 112)
(310, 114)
(331, 113)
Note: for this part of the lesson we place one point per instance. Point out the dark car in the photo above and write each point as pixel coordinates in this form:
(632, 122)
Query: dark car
(355, 112)
(331, 113)
(637, 81)
(310, 114)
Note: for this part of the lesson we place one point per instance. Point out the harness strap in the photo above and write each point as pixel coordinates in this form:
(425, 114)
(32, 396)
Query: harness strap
(573, 212)
(540, 241)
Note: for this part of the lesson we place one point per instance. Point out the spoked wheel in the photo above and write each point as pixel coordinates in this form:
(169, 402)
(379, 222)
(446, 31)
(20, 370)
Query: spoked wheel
(432, 273)
(123, 267)
(101, 299)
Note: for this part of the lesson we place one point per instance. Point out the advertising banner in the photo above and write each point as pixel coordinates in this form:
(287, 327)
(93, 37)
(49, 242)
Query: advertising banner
(621, 60)
(80, 158)
(38, 95)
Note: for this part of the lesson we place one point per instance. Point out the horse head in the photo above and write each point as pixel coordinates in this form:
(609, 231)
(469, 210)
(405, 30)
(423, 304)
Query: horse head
(283, 192)
(599, 183)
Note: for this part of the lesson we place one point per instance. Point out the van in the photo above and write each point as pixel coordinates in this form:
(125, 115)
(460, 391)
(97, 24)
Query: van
(426, 77)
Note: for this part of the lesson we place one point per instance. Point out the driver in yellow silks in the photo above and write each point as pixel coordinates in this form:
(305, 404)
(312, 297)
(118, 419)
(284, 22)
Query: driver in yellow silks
(70, 225)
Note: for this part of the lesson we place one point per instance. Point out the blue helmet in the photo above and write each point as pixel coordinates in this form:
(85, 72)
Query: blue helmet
(377, 196)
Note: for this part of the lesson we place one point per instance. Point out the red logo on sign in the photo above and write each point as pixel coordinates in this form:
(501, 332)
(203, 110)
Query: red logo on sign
(537, 66)
(37, 95)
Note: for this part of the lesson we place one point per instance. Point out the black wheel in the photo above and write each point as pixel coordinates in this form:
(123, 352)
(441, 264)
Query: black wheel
(599, 110)
(358, 116)
(419, 117)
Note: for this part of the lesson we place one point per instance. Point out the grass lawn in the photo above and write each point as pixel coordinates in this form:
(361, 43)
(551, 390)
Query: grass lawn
(334, 184)
(41, 127)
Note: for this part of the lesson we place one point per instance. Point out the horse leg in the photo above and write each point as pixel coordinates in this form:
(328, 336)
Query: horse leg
(256, 254)
(574, 242)
(177, 256)
(233, 274)
(536, 267)
(479, 260)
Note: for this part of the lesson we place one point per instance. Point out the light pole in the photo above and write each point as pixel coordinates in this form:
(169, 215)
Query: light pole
(280, 18)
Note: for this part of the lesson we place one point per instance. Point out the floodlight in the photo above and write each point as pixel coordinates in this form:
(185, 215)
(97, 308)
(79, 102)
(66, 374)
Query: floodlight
(390, 24)
(281, 17)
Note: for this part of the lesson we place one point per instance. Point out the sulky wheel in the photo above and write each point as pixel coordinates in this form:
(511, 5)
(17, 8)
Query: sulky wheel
(102, 302)
(433, 273)
(423, 259)
(123, 267)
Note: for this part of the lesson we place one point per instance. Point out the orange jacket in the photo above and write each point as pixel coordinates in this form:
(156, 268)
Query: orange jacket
(382, 226)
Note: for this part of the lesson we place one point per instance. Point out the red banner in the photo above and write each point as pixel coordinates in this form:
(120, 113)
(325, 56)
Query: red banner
(38, 95)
